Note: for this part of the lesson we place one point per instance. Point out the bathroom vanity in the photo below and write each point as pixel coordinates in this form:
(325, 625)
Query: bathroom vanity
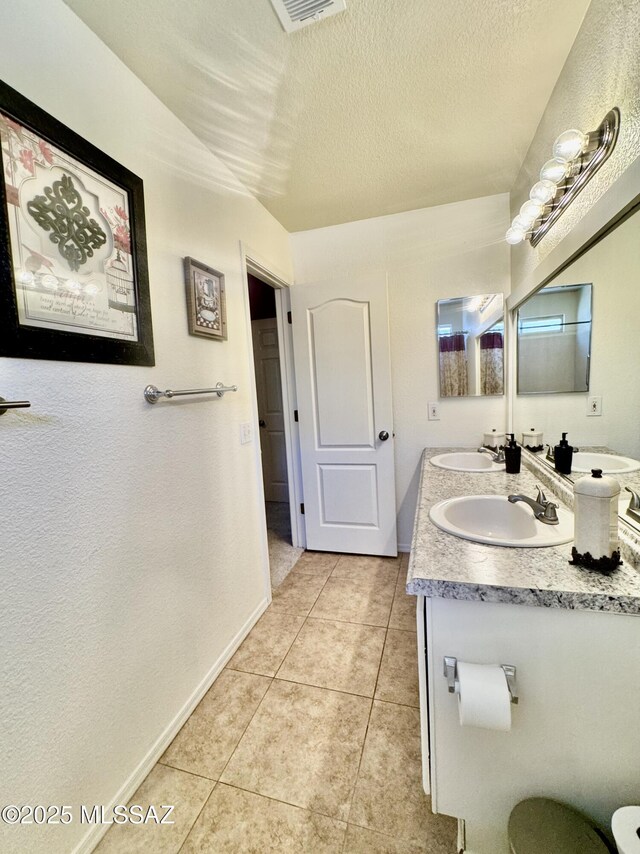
(574, 638)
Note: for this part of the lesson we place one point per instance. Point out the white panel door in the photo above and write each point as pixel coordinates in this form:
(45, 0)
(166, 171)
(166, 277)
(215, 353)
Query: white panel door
(269, 392)
(343, 377)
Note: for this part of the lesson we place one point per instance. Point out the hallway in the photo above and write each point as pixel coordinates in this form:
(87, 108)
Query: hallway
(309, 740)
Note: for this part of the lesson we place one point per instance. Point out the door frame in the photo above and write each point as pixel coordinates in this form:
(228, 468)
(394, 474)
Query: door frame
(262, 269)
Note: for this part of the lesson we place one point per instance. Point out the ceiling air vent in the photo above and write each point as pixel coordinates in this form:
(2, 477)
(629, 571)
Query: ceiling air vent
(295, 14)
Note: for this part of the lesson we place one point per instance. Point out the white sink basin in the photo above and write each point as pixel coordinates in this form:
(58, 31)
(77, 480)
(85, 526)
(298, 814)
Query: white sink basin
(466, 461)
(494, 520)
(584, 461)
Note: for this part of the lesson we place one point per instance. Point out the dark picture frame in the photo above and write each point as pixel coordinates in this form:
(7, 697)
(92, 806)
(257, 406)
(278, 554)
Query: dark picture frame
(206, 302)
(74, 283)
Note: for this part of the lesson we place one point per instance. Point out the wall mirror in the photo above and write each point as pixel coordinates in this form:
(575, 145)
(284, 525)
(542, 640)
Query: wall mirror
(554, 340)
(470, 336)
(605, 417)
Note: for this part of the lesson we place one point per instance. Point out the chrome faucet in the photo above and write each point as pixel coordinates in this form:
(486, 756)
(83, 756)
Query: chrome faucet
(496, 456)
(633, 509)
(543, 510)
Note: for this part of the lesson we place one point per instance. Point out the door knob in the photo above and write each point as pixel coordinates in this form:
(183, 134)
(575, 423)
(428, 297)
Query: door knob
(383, 435)
(262, 423)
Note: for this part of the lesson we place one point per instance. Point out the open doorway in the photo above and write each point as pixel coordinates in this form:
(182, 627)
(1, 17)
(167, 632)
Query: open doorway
(271, 418)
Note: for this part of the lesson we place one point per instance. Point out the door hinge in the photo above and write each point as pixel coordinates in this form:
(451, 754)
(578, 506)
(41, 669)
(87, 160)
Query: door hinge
(295, 414)
(302, 509)
(288, 317)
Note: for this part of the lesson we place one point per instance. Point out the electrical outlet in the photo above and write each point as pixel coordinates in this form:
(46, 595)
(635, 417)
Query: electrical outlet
(594, 406)
(246, 433)
(433, 412)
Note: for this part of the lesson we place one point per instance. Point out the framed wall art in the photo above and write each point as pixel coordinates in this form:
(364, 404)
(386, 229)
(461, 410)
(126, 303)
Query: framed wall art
(73, 267)
(206, 306)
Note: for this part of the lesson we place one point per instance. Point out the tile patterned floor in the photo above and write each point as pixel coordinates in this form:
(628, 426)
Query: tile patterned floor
(309, 741)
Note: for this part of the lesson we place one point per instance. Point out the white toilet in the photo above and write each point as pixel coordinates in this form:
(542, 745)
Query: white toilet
(541, 826)
(625, 826)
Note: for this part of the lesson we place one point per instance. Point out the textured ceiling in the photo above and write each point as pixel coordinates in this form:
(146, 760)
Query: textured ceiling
(387, 107)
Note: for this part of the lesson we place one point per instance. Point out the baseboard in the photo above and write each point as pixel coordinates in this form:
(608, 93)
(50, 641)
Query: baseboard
(402, 547)
(97, 831)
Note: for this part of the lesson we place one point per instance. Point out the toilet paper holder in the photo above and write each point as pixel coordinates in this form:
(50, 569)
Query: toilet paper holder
(450, 672)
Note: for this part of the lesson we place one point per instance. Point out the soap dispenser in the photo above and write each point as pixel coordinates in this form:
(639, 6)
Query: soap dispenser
(563, 455)
(596, 521)
(512, 455)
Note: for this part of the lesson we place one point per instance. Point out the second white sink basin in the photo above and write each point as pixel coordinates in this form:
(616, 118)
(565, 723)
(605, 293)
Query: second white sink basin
(494, 520)
(466, 461)
(584, 461)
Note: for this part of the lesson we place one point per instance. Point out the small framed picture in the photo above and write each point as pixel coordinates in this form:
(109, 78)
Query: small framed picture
(206, 306)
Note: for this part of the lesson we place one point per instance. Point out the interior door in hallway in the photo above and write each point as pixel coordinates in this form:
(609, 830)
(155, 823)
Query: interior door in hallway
(270, 412)
(343, 377)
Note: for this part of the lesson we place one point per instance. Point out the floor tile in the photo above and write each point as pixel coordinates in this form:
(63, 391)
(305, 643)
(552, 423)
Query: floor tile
(355, 602)
(398, 678)
(320, 564)
(403, 610)
(235, 821)
(362, 841)
(342, 656)
(365, 567)
(185, 792)
(266, 645)
(303, 746)
(389, 795)
(208, 738)
(297, 594)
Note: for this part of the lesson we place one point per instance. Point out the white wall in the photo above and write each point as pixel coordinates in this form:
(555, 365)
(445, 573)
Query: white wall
(130, 540)
(435, 253)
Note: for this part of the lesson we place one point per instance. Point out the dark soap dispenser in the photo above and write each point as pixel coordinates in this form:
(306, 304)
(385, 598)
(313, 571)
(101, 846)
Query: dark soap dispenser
(563, 455)
(512, 454)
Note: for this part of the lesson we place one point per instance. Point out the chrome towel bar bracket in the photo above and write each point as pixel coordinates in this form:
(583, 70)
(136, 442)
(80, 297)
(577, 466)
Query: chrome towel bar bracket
(153, 394)
(13, 404)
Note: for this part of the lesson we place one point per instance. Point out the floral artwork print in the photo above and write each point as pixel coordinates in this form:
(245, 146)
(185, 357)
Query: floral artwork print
(70, 236)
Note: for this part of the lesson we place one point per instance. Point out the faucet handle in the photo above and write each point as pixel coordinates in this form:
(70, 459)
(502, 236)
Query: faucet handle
(541, 498)
(550, 515)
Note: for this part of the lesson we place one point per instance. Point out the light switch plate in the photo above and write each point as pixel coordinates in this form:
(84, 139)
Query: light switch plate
(246, 433)
(594, 405)
(433, 412)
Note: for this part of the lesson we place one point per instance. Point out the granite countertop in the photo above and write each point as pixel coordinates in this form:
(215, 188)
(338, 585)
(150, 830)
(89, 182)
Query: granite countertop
(448, 567)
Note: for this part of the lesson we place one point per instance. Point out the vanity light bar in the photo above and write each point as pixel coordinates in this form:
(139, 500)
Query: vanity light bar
(577, 156)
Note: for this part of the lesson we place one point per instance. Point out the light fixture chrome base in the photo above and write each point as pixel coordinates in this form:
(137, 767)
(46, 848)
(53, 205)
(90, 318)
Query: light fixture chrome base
(606, 135)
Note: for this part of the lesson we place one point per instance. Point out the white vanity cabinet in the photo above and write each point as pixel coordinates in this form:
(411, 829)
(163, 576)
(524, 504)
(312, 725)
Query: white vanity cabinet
(575, 733)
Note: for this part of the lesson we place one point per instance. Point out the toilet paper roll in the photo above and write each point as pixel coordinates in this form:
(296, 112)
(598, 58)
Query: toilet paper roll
(483, 696)
(625, 824)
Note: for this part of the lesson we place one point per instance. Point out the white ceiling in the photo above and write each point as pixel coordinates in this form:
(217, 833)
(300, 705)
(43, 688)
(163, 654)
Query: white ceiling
(387, 107)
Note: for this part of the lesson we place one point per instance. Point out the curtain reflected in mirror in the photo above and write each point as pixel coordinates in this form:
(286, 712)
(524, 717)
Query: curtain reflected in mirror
(554, 340)
(470, 333)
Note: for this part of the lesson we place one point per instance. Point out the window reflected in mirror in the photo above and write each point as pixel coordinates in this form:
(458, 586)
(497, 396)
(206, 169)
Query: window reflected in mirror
(470, 333)
(554, 340)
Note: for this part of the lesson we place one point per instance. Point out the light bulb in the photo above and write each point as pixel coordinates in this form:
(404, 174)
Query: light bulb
(531, 211)
(521, 223)
(570, 144)
(515, 235)
(555, 170)
(543, 192)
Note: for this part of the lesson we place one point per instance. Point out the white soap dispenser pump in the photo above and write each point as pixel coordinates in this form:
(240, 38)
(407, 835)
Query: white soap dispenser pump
(596, 521)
